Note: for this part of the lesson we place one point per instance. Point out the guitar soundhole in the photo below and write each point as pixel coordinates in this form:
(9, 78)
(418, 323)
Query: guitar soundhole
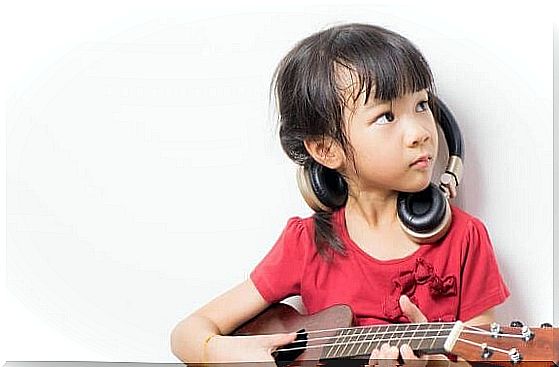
(288, 353)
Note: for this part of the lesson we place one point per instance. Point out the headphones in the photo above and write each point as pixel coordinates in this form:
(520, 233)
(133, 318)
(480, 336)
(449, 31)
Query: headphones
(424, 216)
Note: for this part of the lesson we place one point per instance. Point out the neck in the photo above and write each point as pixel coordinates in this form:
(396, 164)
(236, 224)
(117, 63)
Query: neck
(376, 210)
(424, 338)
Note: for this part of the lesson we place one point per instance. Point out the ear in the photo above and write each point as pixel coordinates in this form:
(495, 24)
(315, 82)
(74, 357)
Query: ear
(325, 151)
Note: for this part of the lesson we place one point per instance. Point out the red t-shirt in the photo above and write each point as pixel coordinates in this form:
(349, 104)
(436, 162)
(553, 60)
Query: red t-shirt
(456, 278)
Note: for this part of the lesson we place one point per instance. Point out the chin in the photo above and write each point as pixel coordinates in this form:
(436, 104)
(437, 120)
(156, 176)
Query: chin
(420, 186)
(423, 187)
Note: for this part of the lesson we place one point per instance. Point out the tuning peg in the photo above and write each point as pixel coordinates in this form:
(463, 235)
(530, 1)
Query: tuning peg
(516, 323)
(527, 333)
(546, 325)
(495, 329)
(485, 352)
(514, 355)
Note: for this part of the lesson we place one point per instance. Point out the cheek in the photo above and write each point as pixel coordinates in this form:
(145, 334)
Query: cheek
(435, 136)
(376, 148)
(378, 157)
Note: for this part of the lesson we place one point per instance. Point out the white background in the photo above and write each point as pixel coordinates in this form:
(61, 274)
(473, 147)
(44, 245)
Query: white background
(144, 176)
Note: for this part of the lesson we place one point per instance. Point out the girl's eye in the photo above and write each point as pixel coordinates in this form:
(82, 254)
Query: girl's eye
(422, 106)
(385, 118)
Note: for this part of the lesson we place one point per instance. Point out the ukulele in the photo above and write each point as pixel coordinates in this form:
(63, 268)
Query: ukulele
(328, 336)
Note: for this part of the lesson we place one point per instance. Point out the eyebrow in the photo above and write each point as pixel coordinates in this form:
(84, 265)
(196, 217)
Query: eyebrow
(372, 103)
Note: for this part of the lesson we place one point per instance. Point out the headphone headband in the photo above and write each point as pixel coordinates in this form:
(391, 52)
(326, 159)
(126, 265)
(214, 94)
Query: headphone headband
(454, 141)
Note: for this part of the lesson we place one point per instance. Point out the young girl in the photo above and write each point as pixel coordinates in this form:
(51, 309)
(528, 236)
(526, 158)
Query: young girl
(355, 99)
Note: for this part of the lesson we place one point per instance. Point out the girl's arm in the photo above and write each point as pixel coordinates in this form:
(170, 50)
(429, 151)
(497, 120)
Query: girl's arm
(190, 338)
(486, 317)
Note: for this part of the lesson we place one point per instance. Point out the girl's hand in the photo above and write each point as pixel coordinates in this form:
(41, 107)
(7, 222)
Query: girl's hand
(257, 348)
(388, 355)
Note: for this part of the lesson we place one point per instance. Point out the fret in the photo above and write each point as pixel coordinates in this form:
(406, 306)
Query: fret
(397, 338)
(332, 350)
(352, 342)
(408, 334)
(437, 344)
(374, 333)
(443, 335)
(398, 335)
(379, 335)
(361, 341)
(421, 333)
(363, 337)
(326, 351)
(434, 338)
(389, 334)
(343, 343)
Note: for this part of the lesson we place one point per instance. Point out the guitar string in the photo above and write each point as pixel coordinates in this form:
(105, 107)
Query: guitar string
(500, 335)
(482, 332)
(474, 330)
(374, 334)
(282, 349)
(368, 334)
(378, 326)
(488, 347)
(371, 334)
(465, 330)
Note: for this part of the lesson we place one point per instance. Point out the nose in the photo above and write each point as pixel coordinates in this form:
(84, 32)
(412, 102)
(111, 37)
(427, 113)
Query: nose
(416, 133)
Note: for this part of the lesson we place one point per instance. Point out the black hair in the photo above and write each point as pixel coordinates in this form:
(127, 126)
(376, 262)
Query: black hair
(310, 100)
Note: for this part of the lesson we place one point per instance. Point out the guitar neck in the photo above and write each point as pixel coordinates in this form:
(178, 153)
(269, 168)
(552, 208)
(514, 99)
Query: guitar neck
(425, 338)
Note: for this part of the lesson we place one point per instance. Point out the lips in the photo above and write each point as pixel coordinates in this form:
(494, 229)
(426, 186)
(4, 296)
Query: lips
(422, 158)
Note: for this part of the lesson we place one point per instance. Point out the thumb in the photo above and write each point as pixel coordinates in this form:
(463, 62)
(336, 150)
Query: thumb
(411, 311)
(277, 340)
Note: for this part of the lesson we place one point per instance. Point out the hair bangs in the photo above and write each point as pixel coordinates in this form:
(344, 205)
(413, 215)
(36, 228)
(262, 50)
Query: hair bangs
(385, 64)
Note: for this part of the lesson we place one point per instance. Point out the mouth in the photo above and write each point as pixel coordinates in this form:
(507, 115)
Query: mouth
(422, 160)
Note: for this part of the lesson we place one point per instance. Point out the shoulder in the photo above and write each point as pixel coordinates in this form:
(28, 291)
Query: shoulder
(471, 232)
(296, 236)
(467, 234)
(301, 227)
(464, 223)
(278, 275)
(460, 216)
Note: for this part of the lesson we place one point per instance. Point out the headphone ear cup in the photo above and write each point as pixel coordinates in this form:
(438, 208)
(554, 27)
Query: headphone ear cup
(425, 216)
(323, 188)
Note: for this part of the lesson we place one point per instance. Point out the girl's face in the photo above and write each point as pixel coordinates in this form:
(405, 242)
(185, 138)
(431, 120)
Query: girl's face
(388, 137)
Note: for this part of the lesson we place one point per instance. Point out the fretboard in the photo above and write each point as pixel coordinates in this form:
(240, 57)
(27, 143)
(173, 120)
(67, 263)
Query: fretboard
(360, 341)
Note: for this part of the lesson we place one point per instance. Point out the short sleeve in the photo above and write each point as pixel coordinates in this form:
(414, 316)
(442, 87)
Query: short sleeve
(482, 285)
(279, 273)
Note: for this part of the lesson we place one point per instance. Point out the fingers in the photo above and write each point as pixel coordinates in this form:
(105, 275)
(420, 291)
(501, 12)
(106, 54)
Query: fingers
(453, 192)
(410, 359)
(407, 352)
(411, 311)
(387, 356)
(277, 340)
(449, 189)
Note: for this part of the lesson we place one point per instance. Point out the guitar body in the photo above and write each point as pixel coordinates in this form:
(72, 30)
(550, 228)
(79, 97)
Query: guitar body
(282, 318)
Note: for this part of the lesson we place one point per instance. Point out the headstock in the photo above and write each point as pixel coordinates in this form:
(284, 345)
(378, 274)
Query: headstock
(508, 346)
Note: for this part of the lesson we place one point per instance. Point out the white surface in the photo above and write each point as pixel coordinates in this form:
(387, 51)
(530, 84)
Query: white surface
(139, 138)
